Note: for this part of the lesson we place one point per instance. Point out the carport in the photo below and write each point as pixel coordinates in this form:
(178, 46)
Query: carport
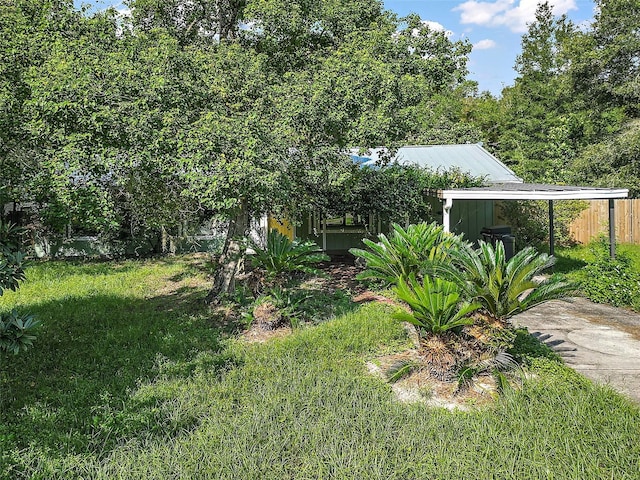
(534, 191)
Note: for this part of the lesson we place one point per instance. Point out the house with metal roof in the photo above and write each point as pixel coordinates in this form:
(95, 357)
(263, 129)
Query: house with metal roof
(467, 210)
(469, 158)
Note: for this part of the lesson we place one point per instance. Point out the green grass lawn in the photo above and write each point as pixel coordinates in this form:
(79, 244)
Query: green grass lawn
(131, 377)
(571, 259)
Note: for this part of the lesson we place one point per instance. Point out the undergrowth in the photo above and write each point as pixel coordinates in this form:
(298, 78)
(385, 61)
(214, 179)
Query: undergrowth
(603, 279)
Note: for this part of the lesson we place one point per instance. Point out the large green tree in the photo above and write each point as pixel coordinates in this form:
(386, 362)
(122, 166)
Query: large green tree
(214, 108)
(607, 56)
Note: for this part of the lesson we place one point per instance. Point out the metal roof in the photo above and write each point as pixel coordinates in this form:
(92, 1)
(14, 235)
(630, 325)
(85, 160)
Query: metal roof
(532, 191)
(470, 158)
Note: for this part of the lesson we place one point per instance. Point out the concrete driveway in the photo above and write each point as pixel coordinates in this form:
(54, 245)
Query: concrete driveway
(599, 341)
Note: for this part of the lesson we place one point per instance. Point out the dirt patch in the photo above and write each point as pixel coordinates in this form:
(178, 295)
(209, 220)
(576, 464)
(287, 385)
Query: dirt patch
(259, 335)
(340, 275)
(369, 296)
(421, 386)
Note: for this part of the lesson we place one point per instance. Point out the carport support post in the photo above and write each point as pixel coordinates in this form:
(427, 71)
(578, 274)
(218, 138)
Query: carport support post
(612, 228)
(446, 214)
(552, 242)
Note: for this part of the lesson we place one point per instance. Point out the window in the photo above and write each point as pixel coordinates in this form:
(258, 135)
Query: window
(347, 223)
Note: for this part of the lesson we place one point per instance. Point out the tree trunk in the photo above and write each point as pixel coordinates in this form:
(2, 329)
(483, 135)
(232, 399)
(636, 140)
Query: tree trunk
(231, 259)
(164, 240)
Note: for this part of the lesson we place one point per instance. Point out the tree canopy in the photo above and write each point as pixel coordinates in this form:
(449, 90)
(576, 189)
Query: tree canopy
(225, 108)
(232, 108)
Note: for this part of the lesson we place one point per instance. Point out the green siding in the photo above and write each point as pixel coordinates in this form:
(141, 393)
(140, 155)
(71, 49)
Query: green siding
(470, 216)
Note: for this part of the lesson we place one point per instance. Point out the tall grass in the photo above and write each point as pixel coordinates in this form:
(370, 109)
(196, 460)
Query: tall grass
(304, 407)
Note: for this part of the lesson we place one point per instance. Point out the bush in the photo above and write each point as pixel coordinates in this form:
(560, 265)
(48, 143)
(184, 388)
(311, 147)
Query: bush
(16, 332)
(405, 252)
(11, 270)
(281, 255)
(610, 280)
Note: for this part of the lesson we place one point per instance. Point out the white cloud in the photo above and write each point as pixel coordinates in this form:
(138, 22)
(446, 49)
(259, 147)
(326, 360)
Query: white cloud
(433, 26)
(485, 44)
(438, 27)
(513, 14)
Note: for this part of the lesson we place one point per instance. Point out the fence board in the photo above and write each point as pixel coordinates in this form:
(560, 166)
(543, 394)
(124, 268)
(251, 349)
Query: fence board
(595, 221)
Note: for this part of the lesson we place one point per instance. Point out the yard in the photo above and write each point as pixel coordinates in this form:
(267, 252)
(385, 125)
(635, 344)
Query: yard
(133, 377)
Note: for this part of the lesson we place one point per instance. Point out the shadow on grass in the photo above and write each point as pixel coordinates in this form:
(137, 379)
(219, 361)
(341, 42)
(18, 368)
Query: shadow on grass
(565, 264)
(526, 346)
(90, 354)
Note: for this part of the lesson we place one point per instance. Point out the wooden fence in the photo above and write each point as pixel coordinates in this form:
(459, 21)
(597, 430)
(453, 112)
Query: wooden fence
(595, 220)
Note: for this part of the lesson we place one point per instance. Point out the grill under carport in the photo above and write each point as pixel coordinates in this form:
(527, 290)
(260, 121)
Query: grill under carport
(500, 233)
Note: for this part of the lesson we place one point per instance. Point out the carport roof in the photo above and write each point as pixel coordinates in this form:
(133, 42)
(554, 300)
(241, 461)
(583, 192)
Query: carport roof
(531, 191)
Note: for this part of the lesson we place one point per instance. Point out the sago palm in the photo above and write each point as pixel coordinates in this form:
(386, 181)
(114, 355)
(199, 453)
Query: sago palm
(404, 252)
(436, 305)
(503, 287)
(282, 255)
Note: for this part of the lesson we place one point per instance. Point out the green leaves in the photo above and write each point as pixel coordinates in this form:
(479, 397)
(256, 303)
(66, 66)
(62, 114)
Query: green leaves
(503, 287)
(281, 255)
(606, 280)
(457, 279)
(436, 306)
(406, 252)
(17, 332)
(11, 271)
(11, 259)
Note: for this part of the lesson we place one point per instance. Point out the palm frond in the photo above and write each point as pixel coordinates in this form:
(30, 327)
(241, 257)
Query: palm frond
(405, 251)
(400, 369)
(503, 287)
(436, 305)
(282, 255)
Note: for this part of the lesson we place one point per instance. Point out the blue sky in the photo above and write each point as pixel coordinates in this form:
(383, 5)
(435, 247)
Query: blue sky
(494, 27)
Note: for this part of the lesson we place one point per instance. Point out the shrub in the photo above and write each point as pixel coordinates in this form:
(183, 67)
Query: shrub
(11, 270)
(503, 287)
(610, 280)
(405, 252)
(16, 330)
(436, 305)
(11, 260)
(281, 255)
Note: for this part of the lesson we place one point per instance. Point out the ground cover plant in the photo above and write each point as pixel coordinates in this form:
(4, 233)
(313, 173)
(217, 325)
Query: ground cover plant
(131, 379)
(602, 279)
